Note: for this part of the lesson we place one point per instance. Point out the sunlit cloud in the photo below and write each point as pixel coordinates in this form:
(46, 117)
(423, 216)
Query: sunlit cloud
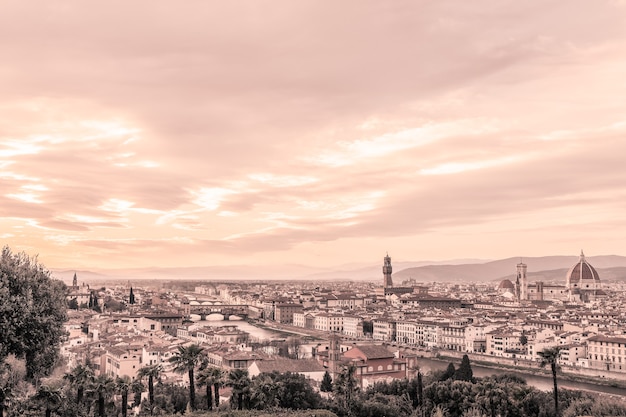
(282, 180)
(26, 197)
(458, 167)
(391, 143)
(210, 198)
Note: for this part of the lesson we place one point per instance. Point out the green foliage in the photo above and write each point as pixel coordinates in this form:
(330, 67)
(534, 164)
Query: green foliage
(327, 383)
(152, 372)
(188, 358)
(282, 390)
(239, 381)
(464, 373)
(550, 356)
(33, 309)
(448, 373)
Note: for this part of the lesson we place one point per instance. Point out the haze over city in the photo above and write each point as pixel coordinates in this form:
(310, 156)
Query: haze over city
(314, 133)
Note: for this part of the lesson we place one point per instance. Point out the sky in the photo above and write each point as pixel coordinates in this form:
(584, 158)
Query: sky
(313, 132)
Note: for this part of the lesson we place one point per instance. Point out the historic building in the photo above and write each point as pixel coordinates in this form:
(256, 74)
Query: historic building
(583, 282)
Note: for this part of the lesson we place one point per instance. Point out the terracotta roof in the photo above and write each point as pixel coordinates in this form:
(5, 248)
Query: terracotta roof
(290, 365)
(373, 351)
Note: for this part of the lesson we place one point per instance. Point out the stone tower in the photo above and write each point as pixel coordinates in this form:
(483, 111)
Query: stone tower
(387, 282)
(334, 354)
(523, 283)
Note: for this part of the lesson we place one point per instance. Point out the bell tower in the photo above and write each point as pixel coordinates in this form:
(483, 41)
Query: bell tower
(387, 282)
(521, 278)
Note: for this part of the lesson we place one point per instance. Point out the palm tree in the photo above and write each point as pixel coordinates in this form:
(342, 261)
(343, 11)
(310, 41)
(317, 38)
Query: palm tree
(50, 396)
(239, 380)
(123, 385)
(551, 356)
(152, 372)
(137, 387)
(218, 382)
(102, 386)
(187, 359)
(206, 378)
(80, 377)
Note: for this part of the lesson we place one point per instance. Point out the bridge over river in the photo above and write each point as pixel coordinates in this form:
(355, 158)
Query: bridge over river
(226, 310)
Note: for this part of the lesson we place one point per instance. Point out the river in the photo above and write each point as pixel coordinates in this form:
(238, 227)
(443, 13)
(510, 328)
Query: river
(256, 333)
(543, 383)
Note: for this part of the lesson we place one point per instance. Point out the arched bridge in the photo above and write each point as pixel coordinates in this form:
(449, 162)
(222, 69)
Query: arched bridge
(226, 310)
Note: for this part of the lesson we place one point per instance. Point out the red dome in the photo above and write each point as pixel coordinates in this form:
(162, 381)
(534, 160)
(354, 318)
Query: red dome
(582, 272)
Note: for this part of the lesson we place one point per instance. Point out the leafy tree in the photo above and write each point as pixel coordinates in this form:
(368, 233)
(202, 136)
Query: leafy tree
(327, 383)
(72, 304)
(464, 373)
(550, 356)
(187, 360)
(33, 308)
(239, 381)
(151, 372)
(264, 391)
(523, 340)
(122, 386)
(12, 373)
(448, 373)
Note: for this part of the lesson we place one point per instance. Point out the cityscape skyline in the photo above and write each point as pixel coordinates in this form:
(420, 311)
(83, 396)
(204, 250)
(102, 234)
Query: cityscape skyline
(283, 133)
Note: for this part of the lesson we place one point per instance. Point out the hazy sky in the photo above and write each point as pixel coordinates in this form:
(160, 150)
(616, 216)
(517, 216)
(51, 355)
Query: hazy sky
(163, 133)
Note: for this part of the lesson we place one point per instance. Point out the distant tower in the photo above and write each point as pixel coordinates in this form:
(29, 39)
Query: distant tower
(75, 281)
(521, 278)
(131, 297)
(334, 354)
(387, 282)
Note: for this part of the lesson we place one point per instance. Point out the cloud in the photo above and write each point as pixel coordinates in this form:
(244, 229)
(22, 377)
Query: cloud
(238, 132)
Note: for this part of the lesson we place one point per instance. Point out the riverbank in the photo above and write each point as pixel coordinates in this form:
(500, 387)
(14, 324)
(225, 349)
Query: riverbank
(536, 370)
(284, 330)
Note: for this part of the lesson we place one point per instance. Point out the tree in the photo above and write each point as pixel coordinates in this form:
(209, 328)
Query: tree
(345, 388)
(239, 381)
(464, 373)
(152, 372)
(137, 387)
(523, 340)
(550, 356)
(448, 373)
(79, 377)
(327, 383)
(187, 360)
(420, 389)
(102, 386)
(12, 372)
(208, 377)
(33, 309)
(218, 382)
(122, 386)
(50, 397)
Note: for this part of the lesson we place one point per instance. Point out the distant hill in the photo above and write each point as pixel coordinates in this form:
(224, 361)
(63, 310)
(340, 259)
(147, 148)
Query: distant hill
(471, 270)
(544, 268)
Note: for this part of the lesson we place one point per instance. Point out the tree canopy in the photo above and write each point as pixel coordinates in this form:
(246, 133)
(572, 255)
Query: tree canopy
(33, 309)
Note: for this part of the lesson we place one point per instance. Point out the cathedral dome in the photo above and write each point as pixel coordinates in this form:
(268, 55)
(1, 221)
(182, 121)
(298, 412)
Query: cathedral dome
(506, 284)
(582, 274)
